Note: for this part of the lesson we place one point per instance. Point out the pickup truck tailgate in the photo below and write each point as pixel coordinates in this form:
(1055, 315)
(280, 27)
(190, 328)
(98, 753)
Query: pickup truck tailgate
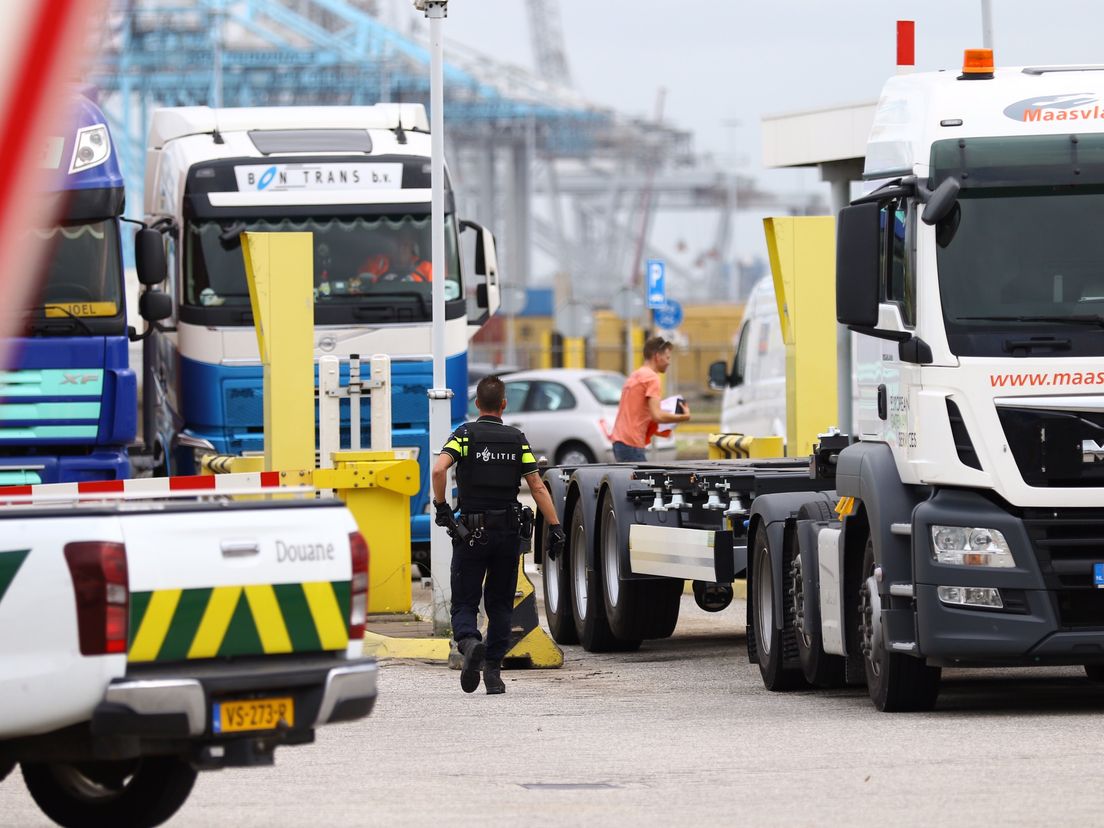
(238, 580)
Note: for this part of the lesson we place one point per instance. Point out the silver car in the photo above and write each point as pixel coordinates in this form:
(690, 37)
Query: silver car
(568, 414)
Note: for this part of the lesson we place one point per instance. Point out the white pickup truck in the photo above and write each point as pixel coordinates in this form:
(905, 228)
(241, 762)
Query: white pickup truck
(144, 640)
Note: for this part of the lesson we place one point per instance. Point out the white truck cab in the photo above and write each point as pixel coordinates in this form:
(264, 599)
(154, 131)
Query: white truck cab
(754, 384)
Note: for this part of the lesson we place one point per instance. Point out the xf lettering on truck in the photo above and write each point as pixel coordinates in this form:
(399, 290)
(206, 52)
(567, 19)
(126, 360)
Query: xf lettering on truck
(303, 552)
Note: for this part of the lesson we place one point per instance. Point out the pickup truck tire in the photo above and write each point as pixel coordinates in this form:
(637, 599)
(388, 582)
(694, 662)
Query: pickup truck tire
(139, 793)
(557, 592)
(771, 643)
(897, 682)
(636, 608)
(588, 603)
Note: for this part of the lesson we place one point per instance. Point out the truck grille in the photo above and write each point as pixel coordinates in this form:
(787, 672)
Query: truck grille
(1067, 544)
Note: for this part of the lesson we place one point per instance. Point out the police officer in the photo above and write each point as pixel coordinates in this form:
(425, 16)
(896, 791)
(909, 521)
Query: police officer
(491, 459)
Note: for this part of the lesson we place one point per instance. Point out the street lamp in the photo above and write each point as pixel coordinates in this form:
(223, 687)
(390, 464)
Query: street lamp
(440, 407)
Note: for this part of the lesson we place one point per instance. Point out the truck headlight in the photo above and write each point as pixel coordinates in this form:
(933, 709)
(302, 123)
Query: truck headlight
(965, 546)
(91, 148)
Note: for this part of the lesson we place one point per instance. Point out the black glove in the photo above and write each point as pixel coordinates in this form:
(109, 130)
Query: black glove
(444, 514)
(556, 541)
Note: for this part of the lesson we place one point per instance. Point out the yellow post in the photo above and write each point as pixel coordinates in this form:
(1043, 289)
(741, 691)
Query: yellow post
(544, 358)
(574, 350)
(278, 267)
(377, 487)
(803, 264)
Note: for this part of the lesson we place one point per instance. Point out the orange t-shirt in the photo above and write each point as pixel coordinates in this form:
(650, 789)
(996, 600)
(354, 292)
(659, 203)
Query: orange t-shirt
(634, 425)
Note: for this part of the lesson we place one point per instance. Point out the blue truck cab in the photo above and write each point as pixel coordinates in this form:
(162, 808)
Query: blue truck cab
(68, 404)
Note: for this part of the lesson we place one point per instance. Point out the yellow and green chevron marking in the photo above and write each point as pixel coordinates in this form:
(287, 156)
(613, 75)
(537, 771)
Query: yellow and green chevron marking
(179, 624)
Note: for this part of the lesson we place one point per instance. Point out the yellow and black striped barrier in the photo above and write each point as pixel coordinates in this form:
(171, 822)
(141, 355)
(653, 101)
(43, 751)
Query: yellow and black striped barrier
(744, 446)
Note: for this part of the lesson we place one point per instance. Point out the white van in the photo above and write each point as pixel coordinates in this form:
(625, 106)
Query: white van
(754, 384)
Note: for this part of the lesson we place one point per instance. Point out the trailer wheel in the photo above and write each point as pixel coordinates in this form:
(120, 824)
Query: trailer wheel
(897, 682)
(557, 592)
(819, 668)
(591, 623)
(142, 792)
(771, 642)
(636, 608)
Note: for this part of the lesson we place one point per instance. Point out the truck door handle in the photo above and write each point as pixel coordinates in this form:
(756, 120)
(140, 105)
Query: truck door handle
(239, 549)
(883, 403)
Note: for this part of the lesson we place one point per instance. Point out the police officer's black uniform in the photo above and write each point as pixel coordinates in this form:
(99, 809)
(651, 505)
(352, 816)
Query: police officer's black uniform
(491, 459)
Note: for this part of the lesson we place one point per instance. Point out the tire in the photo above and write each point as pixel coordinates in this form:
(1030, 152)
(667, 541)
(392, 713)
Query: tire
(557, 592)
(819, 668)
(635, 608)
(586, 591)
(140, 793)
(1094, 672)
(5, 769)
(897, 682)
(771, 643)
(574, 453)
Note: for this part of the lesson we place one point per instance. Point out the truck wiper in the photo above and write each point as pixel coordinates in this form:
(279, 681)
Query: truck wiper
(80, 322)
(1073, 319)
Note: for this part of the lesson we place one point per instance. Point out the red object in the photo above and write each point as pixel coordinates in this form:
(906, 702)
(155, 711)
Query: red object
(906, 42)
(99, 572)
(358, 587)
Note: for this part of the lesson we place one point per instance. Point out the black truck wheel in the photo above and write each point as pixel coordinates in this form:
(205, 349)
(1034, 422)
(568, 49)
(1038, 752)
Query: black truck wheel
(139, 793)
(589, 607)
(819, 668)
(557, 592)
(635, 608)
(897, 682)
(771, 642)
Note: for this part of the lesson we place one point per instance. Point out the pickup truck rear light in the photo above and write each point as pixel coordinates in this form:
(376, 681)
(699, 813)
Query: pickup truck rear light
(358, 606)
(99, 572)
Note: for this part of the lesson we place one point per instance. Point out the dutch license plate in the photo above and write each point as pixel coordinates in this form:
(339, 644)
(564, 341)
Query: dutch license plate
(253, 714)
(1098, 575)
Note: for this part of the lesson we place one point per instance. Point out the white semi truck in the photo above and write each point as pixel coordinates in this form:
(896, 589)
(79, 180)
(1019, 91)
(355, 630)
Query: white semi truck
(963, 524)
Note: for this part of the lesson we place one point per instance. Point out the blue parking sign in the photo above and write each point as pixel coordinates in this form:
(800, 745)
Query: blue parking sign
(656, 271)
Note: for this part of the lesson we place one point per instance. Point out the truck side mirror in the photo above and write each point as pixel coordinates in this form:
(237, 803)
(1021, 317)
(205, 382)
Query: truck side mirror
(718, 375)
(942, 201)
(858, 263)
(153, 305)
(149, 257)
(487, 295)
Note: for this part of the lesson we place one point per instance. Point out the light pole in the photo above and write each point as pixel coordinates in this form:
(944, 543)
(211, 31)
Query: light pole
(440, 406)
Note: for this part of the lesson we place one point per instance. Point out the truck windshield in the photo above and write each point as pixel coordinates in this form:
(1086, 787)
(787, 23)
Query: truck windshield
(359, 263)
(1020, 259)
(81, 270)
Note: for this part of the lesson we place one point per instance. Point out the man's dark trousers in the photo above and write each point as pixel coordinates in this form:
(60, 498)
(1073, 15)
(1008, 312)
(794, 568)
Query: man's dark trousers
(496, 560)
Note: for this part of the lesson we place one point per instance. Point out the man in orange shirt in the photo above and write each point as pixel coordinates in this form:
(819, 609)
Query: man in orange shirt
(639, 415)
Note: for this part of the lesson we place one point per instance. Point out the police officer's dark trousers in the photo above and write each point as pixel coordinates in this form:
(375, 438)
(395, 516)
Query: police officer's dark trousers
(493, 558)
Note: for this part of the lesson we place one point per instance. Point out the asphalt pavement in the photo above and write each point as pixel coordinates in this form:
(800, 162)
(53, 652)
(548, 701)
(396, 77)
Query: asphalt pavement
(679, 733)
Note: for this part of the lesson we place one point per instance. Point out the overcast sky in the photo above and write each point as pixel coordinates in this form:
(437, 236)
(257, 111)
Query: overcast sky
(725, 62)
(735, 60)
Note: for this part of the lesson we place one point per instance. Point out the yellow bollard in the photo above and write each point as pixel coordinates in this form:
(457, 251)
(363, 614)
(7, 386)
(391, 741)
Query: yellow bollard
(803, 264)
(285, 260)
(574, 352)
(377, 487)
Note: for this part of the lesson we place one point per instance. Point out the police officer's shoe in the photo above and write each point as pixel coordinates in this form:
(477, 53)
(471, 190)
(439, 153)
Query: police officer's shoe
(491, 678)
(473, 650)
